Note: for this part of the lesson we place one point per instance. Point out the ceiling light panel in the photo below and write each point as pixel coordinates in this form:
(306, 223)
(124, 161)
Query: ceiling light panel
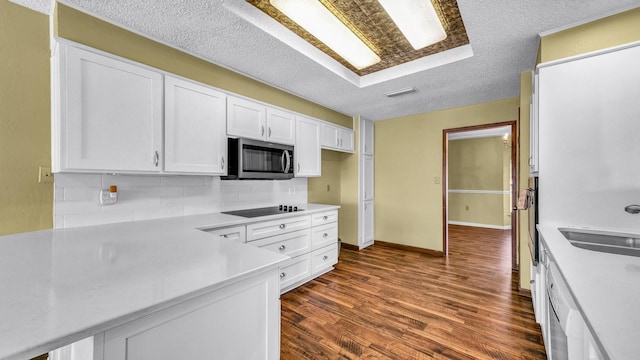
(321, 23)
(418, 21)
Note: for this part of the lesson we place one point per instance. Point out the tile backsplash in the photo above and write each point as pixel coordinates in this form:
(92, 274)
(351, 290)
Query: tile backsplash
(140, 197)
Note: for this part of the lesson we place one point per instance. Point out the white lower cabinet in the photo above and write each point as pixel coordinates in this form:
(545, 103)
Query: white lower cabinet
(310, 240)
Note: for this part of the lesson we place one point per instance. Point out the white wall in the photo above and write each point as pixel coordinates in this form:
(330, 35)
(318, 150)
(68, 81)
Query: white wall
(76, 197)
(590, 142)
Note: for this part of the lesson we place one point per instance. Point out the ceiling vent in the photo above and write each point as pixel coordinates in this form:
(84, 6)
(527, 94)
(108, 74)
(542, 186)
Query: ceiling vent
(401, 92)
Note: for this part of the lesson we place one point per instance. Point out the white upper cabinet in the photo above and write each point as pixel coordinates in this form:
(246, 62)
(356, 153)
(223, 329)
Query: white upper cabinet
(307, 150)
(107, 114)
(367, 129)
(281, 126)
(195, 128)
(337, 138)
(254, 120)
(246, 118)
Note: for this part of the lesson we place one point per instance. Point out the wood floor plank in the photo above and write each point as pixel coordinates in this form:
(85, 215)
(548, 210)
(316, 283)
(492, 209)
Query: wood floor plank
(389, 303)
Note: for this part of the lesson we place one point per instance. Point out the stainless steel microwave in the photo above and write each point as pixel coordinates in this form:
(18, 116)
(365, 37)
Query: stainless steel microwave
(254, 159)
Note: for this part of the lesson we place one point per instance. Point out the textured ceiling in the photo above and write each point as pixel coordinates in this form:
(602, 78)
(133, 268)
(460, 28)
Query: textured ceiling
(379, 31)
(502, 34)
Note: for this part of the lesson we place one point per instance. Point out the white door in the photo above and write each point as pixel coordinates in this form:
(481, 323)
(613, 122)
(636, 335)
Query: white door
(307, 149)
(246, 118)
(368, 137)
(195, 123)
(368, 224)
(281, 126)
(330, 136)
(346, 140)
(110, 114)
(367, 177)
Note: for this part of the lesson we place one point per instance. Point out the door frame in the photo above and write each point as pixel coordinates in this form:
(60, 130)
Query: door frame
(514, 183)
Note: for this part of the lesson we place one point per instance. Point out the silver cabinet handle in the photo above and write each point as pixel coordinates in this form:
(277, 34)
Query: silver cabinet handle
(298, 167)
(156, 158)
(325, 257)
(340, 142)
(325, 218)
(325, 235)
(269, 131)
(365, 148)
(225, 236)
(262, 130)
(282, 226)
(222, 165)
(337, 141)
(282, 247)
(282, 275)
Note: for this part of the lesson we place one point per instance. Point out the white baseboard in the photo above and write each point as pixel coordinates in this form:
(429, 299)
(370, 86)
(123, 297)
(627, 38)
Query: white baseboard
(499, 227)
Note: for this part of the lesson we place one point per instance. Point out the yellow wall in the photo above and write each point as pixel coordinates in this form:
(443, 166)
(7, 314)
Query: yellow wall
(408, 203)
(326, 189)
(479, 164)
(25, 138)
(82, 28)
(600, 34)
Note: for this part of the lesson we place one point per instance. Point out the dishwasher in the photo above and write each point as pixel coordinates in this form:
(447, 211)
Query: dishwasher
(565, 324)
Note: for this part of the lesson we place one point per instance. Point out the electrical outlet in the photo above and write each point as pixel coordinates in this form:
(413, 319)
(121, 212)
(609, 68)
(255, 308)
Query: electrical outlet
(44, 175)
(328, 187)
(466, 207)
(436, 180)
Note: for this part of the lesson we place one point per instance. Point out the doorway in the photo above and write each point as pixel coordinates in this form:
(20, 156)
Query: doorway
(507, 133)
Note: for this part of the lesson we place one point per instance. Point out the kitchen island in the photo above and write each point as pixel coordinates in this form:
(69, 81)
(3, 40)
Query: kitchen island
(60, 286)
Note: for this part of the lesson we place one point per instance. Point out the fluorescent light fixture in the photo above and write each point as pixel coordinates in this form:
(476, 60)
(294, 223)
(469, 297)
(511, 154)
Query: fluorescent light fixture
(321, 23)
(418, 21)
(401, 92)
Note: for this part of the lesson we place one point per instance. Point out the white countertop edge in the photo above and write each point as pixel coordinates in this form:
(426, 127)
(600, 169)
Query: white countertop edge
(602, 287)
(92, 331)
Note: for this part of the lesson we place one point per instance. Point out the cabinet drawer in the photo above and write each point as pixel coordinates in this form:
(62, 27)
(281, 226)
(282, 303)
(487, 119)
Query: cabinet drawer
(277, 227)
(324, 217)
(237, 233)
(291, 244)
(296, 270)
(323, 259)
(324, 235)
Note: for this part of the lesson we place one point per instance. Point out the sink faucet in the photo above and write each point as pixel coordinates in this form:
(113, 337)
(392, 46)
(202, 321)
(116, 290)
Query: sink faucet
(632, 209)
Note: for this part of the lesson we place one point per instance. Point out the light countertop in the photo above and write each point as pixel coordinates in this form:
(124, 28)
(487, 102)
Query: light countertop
(60, 286)
(606, 288)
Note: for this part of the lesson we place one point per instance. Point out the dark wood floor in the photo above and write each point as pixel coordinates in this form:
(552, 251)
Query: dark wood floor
(385, 303)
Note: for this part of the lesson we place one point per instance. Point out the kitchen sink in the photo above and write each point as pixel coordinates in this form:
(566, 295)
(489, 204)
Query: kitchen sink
(603, 241)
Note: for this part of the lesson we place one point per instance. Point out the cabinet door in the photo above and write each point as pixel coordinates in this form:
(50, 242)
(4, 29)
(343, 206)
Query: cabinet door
(280, 127)
(195, 137)
(307, 148)
(533, 128)
(246, 118)
(368, 223)
(212, 326)
(346, 140)
(323, 259)
(110, 114)
(367, 177)
(330, 138)
(324, 235)
(367, 130)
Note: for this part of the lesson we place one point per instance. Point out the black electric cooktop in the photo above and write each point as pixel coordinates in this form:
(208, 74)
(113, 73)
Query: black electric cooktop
(272, 210)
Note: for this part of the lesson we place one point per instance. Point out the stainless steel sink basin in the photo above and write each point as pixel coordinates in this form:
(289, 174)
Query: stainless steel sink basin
(609, 242)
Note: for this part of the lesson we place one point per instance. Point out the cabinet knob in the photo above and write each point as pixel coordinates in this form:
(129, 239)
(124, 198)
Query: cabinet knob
(225, 236)
(325, 235)
(325, 257)
(325, 217)
(282, 275)
(282, 226)
(282, 247)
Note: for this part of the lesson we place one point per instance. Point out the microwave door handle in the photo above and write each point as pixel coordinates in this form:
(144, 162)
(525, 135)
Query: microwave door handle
(288, 156)
(282, 160)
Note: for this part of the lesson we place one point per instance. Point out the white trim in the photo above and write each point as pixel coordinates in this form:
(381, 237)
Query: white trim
(492, 192)
(586, 21)
(589, 54)
(499, 227)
